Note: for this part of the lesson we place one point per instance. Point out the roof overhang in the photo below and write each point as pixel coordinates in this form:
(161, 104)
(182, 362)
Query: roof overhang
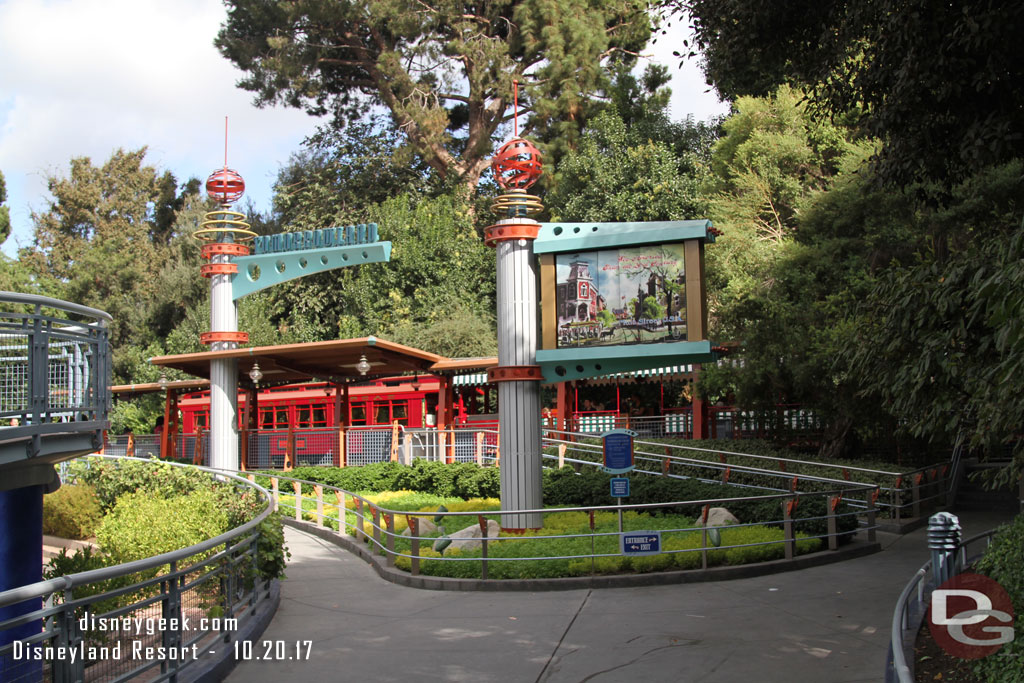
(333, 360)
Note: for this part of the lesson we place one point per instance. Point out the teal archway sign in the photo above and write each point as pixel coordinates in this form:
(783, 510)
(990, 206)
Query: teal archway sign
(287, 256)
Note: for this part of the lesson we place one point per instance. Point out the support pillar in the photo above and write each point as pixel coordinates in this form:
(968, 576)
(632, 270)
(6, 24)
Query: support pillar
(21, 561)
(224, 232)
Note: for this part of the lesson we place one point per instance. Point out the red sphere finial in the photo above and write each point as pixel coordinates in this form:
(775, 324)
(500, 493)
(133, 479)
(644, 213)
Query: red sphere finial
(517, 165)
(225, 186)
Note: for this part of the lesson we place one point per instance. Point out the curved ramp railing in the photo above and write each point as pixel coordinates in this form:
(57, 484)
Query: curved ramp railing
(153, 617)
(54, 379)
(913, 604)
(403, 535)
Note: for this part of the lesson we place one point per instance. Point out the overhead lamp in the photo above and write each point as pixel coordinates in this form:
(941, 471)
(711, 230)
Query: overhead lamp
(163, 381)
(363, 366)
(416, 383)
(255, 374)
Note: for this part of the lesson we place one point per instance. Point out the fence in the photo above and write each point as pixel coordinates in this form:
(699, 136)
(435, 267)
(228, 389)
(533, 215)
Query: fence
(899, 495)
(214, 587)
(913, 604)
(54, 367)
(382, 528)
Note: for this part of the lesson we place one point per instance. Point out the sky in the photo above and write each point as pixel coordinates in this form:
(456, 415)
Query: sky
(86, 77)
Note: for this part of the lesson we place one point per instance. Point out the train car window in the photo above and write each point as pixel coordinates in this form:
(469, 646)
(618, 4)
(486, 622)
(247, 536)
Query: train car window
(266, 418)
(400, 412)
(302, 417)
(202, 419)
(319, 416)
(281, 417)
(382, 413)
(358, 414)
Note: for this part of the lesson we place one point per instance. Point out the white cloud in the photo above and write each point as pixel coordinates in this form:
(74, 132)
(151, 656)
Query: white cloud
(85, 77)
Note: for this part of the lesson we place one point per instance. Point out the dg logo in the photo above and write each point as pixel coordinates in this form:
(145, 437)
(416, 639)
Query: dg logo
(971, 616)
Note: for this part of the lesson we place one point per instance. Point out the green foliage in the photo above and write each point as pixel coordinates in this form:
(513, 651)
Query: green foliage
(103, 236)
(141, 526)
(618, 174)
(437, 290)
(935, 82)
(272, 554)
(445, 75)
(72, 512)
(5, 212)
(1003, 562)
(82, 560)
(946, 331)
(112, 480)
(679, 539)
(459, 480)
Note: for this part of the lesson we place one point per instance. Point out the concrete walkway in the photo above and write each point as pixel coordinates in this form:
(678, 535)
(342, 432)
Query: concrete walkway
(825, 624)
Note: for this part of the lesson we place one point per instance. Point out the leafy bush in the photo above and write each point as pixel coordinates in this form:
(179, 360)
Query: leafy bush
(461, 480)
(1003, 562)
(72, 512)
(758, 544)
(591, 487)
(140, 525)
(113, 479)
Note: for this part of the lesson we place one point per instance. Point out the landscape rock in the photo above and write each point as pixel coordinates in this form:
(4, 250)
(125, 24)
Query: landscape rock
(427, 527)
(721, 517)
(469, 537)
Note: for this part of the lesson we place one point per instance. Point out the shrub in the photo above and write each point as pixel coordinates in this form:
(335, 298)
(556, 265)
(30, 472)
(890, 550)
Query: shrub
(114, 479)
(141, 526)
(1003, 562)
(72, 512)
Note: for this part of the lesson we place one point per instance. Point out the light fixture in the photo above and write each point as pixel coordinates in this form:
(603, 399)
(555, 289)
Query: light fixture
(255, 374)
(163, 381)
(362, 366)
(416, 383)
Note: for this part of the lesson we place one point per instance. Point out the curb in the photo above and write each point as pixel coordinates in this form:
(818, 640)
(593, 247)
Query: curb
(850, 551)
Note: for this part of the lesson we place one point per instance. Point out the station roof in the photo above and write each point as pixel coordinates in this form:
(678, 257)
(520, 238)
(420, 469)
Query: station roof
(327, 360)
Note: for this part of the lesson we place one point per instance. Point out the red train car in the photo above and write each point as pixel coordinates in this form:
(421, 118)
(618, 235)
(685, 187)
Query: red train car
(385, 401)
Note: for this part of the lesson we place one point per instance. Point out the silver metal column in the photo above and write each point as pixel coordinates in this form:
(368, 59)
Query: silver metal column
(223, 374)
(518, 401)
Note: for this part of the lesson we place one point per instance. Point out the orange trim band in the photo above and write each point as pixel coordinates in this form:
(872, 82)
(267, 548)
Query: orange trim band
(211, 337)
(208, 269)
(512, 231)
(515, 373)
(211, 249)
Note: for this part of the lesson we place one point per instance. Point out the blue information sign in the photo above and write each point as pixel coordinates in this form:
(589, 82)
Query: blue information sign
(618, 451)
(640, 542)
(620, 487)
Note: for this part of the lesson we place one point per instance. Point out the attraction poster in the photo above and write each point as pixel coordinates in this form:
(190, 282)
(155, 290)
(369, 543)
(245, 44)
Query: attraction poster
(621, 296)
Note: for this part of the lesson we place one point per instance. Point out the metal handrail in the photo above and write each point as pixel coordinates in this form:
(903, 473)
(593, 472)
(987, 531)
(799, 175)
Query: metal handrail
(902, 615)
(41, 588)
(189, 568)
(39, 300)
(383, 536)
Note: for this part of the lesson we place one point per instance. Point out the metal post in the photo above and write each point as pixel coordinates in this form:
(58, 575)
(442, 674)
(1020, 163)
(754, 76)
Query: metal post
(389, 521)
(482, 521)
(787, 528)
(319, 504)
(414, 532)
(943, 541)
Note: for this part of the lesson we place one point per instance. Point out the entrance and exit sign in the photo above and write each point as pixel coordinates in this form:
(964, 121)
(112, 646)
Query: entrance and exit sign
(640, 542)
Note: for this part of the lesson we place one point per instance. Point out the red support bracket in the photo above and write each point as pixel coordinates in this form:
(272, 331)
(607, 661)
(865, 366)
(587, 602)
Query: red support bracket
(515, 373)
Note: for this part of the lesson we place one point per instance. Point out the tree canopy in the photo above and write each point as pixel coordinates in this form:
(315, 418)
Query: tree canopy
(444, 70)
(938, 83)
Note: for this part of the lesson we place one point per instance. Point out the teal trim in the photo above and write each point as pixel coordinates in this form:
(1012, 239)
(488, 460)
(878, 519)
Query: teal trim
(562, 365)
(281, 267)
(569, 237)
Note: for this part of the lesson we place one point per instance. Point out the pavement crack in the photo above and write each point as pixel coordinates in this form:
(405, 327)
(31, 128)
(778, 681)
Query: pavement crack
(558, 645)
(635, 660)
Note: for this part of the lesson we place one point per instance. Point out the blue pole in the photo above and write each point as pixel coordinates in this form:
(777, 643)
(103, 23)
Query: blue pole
(21, 563)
